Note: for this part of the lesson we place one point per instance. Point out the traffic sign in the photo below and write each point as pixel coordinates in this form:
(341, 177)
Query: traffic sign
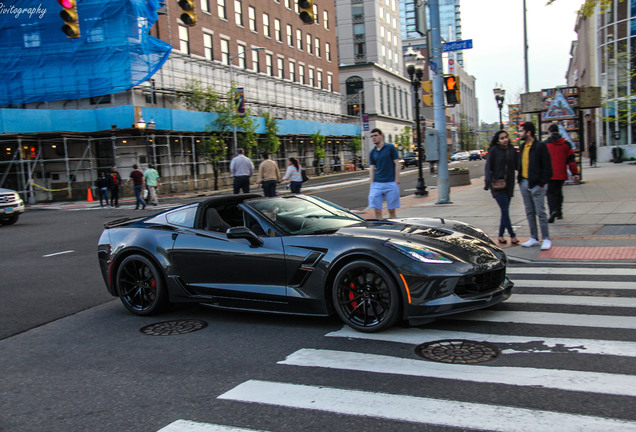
(457, 45)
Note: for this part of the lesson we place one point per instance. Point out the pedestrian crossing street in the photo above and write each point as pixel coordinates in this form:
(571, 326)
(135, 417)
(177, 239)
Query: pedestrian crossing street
(567, 339)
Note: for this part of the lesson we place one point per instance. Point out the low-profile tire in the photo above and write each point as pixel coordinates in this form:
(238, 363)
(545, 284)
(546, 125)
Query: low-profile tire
(10, 220)
(365, 296)
(140, 286)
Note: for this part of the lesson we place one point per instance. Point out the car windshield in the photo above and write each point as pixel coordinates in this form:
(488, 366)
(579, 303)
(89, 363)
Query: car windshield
(304, 215)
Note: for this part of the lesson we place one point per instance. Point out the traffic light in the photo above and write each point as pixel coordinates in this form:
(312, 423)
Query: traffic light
(453, 95)
(427, 93)
(69, 15)
(306, 11)
(188, 16)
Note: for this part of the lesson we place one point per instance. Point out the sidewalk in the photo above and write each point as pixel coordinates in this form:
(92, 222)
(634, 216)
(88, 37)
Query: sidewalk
(599, 216)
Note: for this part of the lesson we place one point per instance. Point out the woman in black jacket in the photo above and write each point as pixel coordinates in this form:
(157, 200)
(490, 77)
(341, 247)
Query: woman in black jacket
(501, 163)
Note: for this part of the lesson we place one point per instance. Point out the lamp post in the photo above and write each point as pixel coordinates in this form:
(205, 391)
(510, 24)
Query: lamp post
(141, 125)
(415, 75)
(151, 126)
(242, 53)
(499, 97)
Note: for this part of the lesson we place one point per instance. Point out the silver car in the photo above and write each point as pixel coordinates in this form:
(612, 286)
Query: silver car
(11, 206)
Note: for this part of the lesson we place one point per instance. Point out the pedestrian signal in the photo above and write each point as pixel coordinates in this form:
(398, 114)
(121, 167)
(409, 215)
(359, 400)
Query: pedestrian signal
(427, 93)
(306, 11)
(71, 20)
(188, 16)
(453, 96)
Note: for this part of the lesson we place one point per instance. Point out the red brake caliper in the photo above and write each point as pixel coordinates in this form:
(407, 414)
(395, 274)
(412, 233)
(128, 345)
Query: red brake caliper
(352, 294)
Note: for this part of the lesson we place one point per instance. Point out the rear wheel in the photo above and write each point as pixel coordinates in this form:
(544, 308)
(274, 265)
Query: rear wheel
(140, 286)
(366, 297)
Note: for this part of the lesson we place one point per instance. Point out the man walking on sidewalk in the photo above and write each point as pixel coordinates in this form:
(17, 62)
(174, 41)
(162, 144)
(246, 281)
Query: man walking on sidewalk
(241, 169)
(138, 183)
(562, 157)
(534, 174)
(151, 176)
(384, 173)
(268, 175)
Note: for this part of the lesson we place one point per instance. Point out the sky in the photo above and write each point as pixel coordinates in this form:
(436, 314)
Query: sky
(496, 28)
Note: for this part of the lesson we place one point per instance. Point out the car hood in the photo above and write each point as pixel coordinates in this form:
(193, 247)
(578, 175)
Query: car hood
(449, 237)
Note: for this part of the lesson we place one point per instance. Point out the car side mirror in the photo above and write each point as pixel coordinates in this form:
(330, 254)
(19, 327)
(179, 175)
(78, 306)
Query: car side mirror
(244, 233)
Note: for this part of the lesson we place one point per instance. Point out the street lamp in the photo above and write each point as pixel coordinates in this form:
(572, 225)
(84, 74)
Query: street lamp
(242, 53)
(499, 97)
(415, 75)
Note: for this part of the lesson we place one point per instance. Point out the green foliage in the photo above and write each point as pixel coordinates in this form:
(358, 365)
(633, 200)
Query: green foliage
(270, 142)
(405, 139)
(587, 9)
(354, 145)
(319, 145)
(197, 98)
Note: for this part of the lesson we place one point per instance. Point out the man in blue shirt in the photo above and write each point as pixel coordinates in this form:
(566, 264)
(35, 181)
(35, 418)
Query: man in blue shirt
(384, 175)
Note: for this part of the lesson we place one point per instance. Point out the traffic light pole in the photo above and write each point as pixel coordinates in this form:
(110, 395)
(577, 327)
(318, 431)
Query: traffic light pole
(440, 106)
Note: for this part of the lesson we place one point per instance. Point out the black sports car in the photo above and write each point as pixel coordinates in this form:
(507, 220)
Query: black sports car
(302, 255)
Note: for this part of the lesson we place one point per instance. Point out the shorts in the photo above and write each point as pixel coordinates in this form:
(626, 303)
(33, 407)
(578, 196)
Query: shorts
(389, 191)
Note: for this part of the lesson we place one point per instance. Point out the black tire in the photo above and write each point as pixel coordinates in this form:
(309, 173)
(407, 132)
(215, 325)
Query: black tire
(140, 286)
(10, 220)
(365, 297)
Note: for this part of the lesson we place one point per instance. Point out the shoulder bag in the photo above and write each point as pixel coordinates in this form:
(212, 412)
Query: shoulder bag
(500, 184)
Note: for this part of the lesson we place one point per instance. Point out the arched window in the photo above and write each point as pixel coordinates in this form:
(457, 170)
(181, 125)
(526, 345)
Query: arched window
(355, 95)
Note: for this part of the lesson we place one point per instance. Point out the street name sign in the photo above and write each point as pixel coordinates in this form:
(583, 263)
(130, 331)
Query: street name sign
(457, 45)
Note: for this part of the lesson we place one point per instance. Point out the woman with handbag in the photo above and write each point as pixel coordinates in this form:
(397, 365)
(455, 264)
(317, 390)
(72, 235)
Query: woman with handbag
(501, 165)
(294, 175)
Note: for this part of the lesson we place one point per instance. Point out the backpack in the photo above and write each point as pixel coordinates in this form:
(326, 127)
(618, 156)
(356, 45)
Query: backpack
(115, 179)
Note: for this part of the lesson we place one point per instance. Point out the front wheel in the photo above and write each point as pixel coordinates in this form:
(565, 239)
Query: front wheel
(366, 297)
(10, 220)
(140, 286)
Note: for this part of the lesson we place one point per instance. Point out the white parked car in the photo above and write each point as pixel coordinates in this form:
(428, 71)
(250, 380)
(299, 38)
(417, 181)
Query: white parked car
(11, 206)
(460, 156)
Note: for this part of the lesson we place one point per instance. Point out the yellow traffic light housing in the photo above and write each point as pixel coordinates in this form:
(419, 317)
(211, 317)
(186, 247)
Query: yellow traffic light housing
(427, 93)
(453, 94)
(188, 16)
(306, 11)
(71, 20)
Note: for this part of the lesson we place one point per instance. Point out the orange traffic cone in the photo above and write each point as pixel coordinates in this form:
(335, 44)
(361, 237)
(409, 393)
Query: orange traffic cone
(89, 197)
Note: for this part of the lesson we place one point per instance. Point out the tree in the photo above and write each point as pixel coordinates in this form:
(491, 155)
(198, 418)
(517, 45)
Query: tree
(405, 139)
(354, 145)
(319, 149)
(588, 7)
(198, 98)
(270, 141)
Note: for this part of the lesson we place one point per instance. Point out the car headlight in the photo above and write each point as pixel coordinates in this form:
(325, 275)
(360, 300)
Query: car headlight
(417, 252)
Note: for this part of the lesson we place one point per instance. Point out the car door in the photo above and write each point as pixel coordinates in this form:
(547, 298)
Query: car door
(210, 264)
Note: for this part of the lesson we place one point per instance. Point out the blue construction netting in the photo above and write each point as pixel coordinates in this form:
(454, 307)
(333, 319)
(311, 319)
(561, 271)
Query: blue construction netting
(114, 52)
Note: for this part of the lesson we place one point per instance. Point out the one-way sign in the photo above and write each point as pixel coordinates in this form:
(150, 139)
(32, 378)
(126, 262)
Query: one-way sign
(457, 45)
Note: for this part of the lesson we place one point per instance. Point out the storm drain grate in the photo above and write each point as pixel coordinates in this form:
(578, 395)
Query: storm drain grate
(457, 351)
(175, 327)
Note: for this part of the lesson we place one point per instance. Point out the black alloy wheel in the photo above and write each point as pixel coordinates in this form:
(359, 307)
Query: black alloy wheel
(140, 286)
(366, 297)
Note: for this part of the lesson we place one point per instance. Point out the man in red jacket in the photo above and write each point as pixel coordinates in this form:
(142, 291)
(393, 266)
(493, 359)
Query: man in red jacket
(562, 157)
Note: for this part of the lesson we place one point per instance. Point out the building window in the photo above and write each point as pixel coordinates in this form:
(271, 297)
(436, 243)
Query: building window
(328, 51)
(208, 50)
(355, 95)
(256, 66)
(221, 9)
(325, 20)
(292, 71)
(240, 55)
(319, 79)
(381, 98)
(299, 39)
(205, 6)
(288, 4)
(184, 40)
(316, 16)
(278, 34)
(330, 82)
(266, 30)
(290, 35)
(309, 45)
(301, 73)
(238, 13)
(280, 63)
(312, 77)
(251, 16)
(269, 66)
(317, 47)
(225, 51)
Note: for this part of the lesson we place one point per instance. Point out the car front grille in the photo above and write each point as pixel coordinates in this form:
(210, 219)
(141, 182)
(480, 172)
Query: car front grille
(6, 198)
(483, 283)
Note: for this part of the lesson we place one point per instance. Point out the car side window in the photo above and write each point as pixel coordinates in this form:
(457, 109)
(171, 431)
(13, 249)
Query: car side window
(183, 217)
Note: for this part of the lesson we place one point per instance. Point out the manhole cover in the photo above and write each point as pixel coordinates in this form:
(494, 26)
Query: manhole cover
(457, 351)
(176, 327)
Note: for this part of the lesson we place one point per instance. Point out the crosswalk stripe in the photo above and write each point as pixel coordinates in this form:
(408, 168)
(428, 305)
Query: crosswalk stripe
(581, 381)
(548, 318)
(572, 300)
(530, 344)
(578, 271)
(192, 426)
(609, 285)
(417, 409)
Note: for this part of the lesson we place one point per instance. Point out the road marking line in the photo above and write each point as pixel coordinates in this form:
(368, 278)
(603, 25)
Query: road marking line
(579, 271)
(58, 253)
(525, 344)
(548, 318)
(573, 300)
(534, 283)
(561, 379)
(417, 409)
(192, 426)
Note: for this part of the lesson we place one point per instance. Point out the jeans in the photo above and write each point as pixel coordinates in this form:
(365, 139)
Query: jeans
(242, 183)
(140, 200)
(114, 197)
(269, 188)
(103, 196)
(555, 196)
(295, 186)
(534, 201)
(504, 205)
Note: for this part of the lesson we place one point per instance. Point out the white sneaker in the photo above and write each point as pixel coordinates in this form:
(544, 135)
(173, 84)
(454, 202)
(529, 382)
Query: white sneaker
(530, 243)
(546, 245)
